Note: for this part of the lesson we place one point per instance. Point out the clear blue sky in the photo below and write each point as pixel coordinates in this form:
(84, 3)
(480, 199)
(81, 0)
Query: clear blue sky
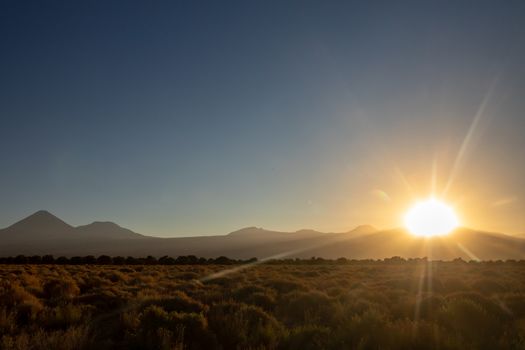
(187, 118)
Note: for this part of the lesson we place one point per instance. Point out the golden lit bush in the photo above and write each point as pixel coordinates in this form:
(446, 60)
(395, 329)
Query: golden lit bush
(71, 339)
(7, 321)
(159, 329)
(15, 297)
(308, 337)
(178, 301)
(307, 308)
(241, 326)
(471, 322)
(64, 315)
(61, 289)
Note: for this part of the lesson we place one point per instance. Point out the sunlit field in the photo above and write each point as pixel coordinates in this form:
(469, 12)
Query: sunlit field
(309, 304)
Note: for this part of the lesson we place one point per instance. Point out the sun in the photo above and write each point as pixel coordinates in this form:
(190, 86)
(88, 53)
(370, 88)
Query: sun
(431, 217)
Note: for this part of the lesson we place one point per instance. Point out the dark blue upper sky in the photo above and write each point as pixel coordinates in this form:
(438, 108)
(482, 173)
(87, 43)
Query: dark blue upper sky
(177, 118)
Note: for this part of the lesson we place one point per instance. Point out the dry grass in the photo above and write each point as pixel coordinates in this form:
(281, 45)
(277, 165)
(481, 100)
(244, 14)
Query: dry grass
(366, 305)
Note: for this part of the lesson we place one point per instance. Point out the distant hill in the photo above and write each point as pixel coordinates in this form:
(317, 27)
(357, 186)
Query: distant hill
(105, 230)
(43, 233)
(40, 225)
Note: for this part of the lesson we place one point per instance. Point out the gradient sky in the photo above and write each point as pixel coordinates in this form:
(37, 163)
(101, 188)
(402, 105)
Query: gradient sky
(192, 117)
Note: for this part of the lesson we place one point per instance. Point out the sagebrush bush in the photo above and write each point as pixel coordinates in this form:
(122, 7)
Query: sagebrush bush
(61, 289)
(311, 307)
(241, 326)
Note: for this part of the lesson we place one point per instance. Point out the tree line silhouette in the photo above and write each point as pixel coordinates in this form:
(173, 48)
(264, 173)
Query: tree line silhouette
(221, 260)
(120, 260)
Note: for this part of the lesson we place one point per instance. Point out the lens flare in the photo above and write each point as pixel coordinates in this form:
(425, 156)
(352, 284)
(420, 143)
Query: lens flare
(431, 217)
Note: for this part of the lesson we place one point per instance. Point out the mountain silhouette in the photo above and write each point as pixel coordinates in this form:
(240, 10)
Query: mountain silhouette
(107, 229)
(48, 231)
(40, 225)
(42, 221)
(43, 233)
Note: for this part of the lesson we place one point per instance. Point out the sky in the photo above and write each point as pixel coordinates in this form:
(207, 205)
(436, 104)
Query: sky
(183, 118)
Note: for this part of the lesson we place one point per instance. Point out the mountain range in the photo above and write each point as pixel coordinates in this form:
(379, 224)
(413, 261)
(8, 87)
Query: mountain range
(43, 233)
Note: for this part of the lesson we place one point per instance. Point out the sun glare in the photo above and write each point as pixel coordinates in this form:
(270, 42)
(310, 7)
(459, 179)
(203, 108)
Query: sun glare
(431, 217)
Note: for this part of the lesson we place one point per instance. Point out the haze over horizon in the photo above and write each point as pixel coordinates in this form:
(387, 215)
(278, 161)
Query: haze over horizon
(37, 216)
(42, 233)
(192, 119)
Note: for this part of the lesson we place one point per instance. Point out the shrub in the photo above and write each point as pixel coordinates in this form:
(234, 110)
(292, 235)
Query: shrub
(159, 329)
(7, 321)
(27, 306)
(61, 289)
(71, 339)
(241, 326)
(470, 321)
(488, 286)
(285, 286)
(307, 308)
(63, 316)
(309, 337)
(178, 301)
